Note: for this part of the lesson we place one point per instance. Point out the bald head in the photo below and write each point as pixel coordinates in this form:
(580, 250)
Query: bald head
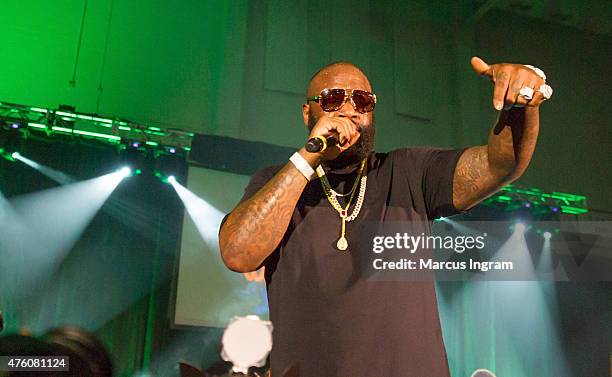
(340, 74)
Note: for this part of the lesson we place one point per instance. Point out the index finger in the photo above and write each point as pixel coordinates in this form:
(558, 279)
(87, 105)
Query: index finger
(480, 67)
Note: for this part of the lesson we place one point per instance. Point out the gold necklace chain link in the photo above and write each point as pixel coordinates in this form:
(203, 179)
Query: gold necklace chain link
(331, 195)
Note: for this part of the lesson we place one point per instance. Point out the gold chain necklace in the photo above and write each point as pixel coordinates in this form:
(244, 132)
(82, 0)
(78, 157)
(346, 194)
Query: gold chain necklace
(342, 243)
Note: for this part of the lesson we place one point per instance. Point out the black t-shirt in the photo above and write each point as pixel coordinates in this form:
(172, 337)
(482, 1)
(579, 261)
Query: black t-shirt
(329, 318)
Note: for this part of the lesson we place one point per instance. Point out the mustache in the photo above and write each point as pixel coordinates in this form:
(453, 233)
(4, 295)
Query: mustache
(312, 120)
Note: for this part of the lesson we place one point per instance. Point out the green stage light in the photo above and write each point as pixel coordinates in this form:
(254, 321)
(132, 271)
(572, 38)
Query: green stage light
(62, 129)
(37, 125)
(86, 133)
(95, 134)
(103, 120)
(161, 176)
(157, 133)
(7, 155)
(573, 210)
(66, 120)
(64, 114)
(511, 198)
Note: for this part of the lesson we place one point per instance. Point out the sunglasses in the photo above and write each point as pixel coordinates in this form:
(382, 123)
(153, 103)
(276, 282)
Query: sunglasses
(334, 99)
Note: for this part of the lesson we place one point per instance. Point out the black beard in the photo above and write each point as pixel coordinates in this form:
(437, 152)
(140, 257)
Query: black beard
(358, 151)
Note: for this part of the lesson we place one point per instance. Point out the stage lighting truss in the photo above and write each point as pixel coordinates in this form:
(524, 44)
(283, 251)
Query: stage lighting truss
(114, 131)
(126, 134)
(538, 202)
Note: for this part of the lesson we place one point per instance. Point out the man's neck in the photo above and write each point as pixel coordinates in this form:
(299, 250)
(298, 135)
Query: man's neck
(341, 166)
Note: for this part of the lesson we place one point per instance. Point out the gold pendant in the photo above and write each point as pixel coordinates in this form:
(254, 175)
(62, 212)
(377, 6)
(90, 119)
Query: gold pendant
(342, 244)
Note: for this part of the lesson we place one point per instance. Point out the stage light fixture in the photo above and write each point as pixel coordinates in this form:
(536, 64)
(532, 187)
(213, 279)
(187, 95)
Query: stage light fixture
(547, 235)
(125, 171)
(7, 155)
(167, 165)
(10, 138)
(170, 179)
(130, 155)
(161, 177)
(15, 155)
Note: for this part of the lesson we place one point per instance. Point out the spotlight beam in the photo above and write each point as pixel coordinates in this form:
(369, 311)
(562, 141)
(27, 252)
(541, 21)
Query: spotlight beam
(55, 175)
(46, 225)
(206, 217)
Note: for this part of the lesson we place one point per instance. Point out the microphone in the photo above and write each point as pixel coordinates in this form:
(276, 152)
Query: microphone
(320, 143)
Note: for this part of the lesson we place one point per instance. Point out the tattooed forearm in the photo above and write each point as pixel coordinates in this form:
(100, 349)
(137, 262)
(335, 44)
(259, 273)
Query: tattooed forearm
(472, 178)
(481, 171)
(254, 228)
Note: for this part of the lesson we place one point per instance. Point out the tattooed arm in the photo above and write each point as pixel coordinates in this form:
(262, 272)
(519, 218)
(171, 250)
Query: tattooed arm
(481, 171)
(256, 226)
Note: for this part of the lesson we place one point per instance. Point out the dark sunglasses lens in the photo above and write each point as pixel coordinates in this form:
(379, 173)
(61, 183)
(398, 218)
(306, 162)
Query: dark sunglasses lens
(331, 99)
(364, 101)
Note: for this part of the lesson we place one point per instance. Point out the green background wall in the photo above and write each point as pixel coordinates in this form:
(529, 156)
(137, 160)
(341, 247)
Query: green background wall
(239, 68)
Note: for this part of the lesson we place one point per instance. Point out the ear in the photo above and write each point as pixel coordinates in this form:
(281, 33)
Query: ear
(305, 110)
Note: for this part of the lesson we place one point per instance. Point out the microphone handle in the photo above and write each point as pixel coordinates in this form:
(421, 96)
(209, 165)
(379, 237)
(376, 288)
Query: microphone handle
(320, 143)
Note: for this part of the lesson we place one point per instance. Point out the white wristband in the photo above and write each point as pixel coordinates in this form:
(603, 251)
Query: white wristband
(302, 165)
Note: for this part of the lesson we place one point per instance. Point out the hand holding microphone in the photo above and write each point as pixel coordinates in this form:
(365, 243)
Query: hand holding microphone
(320, 143)
(332, 136)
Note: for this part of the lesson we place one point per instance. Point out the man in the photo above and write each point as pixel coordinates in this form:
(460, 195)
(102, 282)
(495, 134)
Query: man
(328, 317)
